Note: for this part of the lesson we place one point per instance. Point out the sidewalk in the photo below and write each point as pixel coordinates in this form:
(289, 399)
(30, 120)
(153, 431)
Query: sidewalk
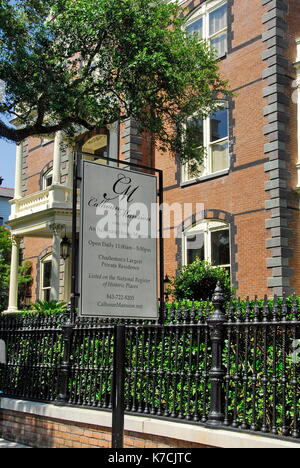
(8, 444)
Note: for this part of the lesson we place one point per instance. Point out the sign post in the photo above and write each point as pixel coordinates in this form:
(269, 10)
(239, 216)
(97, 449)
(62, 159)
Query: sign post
(118, 404)
(118, 255)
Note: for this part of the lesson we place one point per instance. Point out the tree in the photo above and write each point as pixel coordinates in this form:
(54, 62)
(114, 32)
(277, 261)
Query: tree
(68, 64)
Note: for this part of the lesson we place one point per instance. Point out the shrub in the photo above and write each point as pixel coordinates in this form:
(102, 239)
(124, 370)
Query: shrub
(48, 307)
(198, 281)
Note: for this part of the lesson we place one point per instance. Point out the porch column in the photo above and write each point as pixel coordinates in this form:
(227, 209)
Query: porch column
(55, 272)
(13, 282)
(57, 158)
(18, 172)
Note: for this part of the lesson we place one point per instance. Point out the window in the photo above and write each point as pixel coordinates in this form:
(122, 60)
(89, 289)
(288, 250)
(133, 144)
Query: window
(208, 241)
(212, 133)
(46, 140)
(47, 179)
(210, 23)
(97, 149)
(46, 269)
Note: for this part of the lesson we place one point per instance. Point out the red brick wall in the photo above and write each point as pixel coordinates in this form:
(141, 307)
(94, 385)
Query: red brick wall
(242, 191)
(33, 249)
(38, 157)
(42, 432)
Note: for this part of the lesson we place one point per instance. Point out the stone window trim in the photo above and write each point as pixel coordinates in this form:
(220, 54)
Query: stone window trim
(44, 172)
(206, 227)
(45, 253)
(213, 214)
(198, 180)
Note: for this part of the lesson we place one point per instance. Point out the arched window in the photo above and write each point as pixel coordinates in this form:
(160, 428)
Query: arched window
(96, 148)
(45, 277)
(209, 22)
(210, 241)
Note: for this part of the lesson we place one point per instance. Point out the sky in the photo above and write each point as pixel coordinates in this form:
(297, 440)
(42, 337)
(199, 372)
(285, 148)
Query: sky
(7, 163)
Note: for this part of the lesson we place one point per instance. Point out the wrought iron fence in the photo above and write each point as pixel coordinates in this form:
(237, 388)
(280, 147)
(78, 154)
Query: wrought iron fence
(233, 366)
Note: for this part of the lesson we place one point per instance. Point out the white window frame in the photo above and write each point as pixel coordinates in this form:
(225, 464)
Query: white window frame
(208, 144)
(203, 12)
(46, 259)
(206, 228)
(46, 176)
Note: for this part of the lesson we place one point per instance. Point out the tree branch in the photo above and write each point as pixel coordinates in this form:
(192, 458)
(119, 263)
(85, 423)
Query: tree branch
(19, 134)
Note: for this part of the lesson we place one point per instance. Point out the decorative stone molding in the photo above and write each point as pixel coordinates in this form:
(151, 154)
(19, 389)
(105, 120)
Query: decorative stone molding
(137, 425)
(276, 132)
(15, 241)
(131, 142)
(57, 228)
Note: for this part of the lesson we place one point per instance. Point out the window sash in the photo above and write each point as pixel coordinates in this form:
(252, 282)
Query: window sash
(224, 128)
(226, 250)
(207, 244)
(221, 45)
(196, 27)
(209, 165)
(46, 282)
(211, 144)
(222, 26)
(219, 162)
(46, 294)
(47, 179)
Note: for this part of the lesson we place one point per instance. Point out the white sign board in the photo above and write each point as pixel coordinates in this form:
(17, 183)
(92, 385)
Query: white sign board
(118, 258)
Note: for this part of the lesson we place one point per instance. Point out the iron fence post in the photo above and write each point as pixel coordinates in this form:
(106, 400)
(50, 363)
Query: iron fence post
(216, 375)
(118, 386)
(64, 368)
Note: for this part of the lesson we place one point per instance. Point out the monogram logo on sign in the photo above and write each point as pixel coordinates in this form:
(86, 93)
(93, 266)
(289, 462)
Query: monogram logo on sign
(123, 188)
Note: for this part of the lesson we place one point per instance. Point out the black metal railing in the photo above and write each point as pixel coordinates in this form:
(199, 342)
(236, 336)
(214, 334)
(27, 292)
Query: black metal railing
(262, 368)
(232, 365)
